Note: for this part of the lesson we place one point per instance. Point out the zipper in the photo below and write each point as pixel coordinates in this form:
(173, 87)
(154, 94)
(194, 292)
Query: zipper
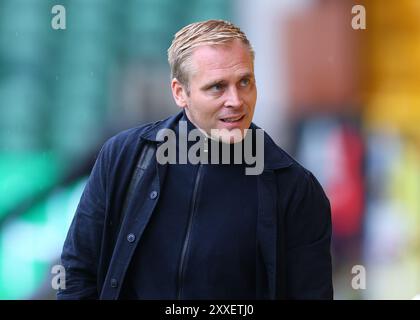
(188, 234)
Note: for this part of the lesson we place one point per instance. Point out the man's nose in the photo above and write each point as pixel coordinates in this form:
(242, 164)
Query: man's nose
(234, 98)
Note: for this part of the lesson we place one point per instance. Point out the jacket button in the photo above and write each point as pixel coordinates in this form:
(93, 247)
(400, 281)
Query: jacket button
(153, 194)
(131, 237)
(114, 283)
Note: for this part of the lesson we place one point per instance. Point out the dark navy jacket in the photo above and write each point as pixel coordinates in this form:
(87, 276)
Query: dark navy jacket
(293, 221)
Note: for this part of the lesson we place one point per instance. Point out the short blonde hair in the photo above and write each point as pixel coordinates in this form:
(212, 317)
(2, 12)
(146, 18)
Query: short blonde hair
(210, 32)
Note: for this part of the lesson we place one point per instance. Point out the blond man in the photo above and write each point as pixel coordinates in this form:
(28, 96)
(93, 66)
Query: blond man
(164, 216)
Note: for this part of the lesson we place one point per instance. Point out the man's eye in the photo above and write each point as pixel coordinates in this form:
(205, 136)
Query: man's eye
(245, 82)
(216, 87)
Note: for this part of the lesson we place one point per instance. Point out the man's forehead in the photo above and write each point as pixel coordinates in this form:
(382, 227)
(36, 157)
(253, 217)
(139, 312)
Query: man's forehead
(219, 58)
(213, 53)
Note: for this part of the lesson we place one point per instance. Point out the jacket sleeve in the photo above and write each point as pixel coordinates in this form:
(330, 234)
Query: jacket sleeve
(308, 238)
(83, 242)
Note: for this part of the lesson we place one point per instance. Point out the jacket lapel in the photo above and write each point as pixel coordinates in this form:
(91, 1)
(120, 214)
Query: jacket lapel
(141, 202)
(270, 226)
(266, 236)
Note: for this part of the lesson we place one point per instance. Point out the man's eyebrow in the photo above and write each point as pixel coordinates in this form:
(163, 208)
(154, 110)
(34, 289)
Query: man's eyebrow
(221, 81)
(211, 84)
(247, 75)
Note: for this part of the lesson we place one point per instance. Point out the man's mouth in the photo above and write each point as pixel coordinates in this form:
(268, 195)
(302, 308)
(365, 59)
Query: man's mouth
(233, 119)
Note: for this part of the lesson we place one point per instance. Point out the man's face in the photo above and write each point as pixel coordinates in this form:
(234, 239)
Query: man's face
(222, 90)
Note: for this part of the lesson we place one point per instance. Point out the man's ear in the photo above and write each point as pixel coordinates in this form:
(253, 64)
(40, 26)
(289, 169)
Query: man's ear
(179, 93)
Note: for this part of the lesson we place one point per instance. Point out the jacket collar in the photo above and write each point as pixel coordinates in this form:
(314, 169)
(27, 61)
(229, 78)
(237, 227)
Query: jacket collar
(274, 156)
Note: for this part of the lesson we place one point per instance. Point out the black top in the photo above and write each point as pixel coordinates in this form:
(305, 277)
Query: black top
(201, 240)
(293, 223)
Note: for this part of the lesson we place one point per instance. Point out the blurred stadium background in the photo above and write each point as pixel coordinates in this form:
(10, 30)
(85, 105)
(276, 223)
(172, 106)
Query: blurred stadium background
(344, 102)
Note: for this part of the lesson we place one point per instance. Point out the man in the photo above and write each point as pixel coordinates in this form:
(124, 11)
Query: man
(150, 228)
